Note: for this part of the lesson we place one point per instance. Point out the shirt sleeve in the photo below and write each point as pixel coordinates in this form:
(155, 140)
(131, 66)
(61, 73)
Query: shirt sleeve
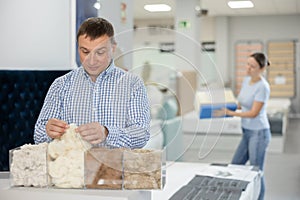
(49, 110)
(262, 94)
(136, 133)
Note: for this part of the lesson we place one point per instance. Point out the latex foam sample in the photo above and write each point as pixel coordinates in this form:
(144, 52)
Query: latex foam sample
(206, 102)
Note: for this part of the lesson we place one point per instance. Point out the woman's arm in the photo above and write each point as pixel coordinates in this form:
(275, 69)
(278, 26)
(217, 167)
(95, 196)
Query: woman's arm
(256, 107)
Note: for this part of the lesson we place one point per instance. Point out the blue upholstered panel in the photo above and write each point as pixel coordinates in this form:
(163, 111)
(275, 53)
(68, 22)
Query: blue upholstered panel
(21, 98)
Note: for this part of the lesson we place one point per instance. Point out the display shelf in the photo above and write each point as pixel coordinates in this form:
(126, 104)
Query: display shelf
(281, 73)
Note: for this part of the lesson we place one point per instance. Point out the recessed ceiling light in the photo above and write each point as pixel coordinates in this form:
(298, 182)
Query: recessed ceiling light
(240, 4)
(97, 5)
(157, 7)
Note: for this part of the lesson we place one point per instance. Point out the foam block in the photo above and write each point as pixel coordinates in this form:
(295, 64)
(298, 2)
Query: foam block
(207, 110)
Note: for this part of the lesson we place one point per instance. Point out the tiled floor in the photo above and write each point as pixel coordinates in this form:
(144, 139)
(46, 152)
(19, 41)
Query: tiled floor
(282, 169)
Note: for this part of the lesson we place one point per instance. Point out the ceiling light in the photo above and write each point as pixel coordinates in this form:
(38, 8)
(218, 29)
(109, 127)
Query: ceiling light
(157, 7)
(240, 4)
(97, 5)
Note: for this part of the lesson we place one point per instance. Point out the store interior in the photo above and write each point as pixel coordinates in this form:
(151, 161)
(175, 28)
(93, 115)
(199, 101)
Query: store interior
(189, 56)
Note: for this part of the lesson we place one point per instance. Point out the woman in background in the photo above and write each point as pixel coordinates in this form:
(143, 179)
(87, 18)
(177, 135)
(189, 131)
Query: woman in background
(253, 98)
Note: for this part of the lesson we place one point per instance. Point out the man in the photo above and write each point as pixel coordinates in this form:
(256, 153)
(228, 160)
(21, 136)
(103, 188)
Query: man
(110, 106)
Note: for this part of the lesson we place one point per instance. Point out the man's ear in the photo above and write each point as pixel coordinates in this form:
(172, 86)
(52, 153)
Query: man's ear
(114, 47)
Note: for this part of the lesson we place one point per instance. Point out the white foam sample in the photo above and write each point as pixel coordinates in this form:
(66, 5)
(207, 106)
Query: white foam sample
(66, 164)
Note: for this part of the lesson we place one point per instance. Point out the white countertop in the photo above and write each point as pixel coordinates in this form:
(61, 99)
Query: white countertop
(16, 193)
(180, 173)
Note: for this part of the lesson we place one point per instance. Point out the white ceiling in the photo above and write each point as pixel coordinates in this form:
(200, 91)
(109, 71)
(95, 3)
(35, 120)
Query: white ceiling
(220, 8)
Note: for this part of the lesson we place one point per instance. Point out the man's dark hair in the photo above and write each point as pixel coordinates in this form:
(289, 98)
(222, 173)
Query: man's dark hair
(96, 27)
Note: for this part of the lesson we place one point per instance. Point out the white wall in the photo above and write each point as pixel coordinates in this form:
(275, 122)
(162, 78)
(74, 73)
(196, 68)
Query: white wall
(207, 32)
(147, 49)
(111, 10)
(165, 65)
(37, 35)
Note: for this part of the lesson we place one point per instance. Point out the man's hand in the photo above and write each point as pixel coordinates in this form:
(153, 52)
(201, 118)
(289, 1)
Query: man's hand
(94, 132)
(55, 128)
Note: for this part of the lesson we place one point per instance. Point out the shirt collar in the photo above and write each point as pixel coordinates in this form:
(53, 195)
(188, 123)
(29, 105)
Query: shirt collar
(110, 68)
(107, 71)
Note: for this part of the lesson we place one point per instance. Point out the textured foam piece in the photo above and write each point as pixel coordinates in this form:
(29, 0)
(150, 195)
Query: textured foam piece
(142, 169)
(29, 165)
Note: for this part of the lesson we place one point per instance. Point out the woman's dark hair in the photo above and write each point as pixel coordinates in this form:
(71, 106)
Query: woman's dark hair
(261, 59)
(96, 27)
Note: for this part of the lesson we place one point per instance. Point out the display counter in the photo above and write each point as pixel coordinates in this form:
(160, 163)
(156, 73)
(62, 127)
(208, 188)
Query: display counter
(16, 193)
(178, 175)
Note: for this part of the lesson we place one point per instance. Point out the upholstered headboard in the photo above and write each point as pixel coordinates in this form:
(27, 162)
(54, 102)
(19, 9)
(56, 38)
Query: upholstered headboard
(21, 98)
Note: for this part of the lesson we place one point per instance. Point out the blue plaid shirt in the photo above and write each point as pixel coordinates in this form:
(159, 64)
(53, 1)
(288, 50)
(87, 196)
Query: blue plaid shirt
(117, 100)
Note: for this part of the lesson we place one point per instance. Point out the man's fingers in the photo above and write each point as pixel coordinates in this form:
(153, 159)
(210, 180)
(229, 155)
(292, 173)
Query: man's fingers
(94, 133)
(93, 139)
(58, 129)
(55, 127)
(84, 128)
(58, 123)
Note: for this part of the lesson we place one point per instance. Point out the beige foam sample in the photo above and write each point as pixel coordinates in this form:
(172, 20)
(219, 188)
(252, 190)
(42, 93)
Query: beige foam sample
(142, 169)
(214, 96)
(29, 166)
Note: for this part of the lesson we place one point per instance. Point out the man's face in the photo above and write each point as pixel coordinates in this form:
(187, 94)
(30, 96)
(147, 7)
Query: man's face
(95, 55)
